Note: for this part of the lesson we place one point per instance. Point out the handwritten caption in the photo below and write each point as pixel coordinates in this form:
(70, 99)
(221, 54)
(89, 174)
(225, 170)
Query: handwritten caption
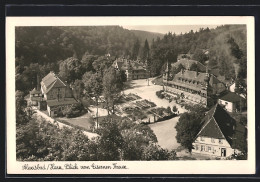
(71, 166)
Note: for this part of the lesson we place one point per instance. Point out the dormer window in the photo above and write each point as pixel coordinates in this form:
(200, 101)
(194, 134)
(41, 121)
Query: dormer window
(201, 139)
(220, 141)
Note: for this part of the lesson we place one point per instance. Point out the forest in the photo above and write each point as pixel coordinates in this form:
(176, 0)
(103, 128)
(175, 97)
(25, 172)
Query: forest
(39, 50)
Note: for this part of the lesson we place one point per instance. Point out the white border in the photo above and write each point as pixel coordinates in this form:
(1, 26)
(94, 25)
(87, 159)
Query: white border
(134, 167)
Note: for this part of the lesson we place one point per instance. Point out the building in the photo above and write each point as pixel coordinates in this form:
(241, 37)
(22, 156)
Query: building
(35, 95)
(56, 93)
(232, 102)
(187, 63)
(193, 85)
(134, 70)
(220, 135)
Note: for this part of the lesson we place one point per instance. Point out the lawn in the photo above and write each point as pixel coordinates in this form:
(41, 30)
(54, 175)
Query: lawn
(165, 133)
(84, 121)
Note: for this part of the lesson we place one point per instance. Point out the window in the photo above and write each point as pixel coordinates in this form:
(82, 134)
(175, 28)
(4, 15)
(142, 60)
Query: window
(220, 141)
(202, 148)
(209, 149)
(196, 147)
(212, 140)
(206, 149)
(201, 139)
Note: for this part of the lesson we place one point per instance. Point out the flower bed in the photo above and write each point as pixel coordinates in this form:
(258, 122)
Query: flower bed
(145, 104)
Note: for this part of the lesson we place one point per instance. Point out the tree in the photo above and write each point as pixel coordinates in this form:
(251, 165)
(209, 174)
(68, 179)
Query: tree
(87, 61)
(112, 86)
(169, 110)
(78, 88)
(241, 87)
(111, 141)
(174, 109)
(145, 51)
(175, 70)
(22, 117)
(93, 86)
(187, 128)
(155, 152)
(70, 69)
(135, 49)
(200, 56)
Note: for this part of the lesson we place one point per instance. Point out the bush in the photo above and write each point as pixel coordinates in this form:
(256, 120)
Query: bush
(159, 94)
(74, 110)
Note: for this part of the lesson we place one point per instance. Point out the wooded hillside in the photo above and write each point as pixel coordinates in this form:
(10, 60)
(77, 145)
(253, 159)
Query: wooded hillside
(41, 49)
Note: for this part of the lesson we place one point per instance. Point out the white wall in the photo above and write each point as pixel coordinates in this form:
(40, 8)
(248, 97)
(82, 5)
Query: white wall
(229, 106)
(215, 147)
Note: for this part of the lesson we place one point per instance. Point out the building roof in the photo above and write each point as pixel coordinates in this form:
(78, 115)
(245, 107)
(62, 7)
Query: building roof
(193, 76)
(66, 101)
(124, 64)
(219, 124)
(34, 91)
(51, 81)
(232, 97)
(187, 64)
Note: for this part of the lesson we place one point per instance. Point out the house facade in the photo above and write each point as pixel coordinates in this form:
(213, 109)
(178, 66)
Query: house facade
(134, 70)
(56, 93)
(219, 134)
(193, 85)
(232, 102)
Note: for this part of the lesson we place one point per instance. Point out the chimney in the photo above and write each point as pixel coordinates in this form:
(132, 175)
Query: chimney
(38, 83)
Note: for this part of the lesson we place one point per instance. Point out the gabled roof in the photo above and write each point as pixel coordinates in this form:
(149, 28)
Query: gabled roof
(51, 81)
(219, 124)
(232, 97)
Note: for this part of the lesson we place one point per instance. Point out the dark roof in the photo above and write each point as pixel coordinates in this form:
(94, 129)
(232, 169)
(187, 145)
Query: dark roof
(220, 125)
(192, 76)
(66, 101)
(232, 97)
(50, 81)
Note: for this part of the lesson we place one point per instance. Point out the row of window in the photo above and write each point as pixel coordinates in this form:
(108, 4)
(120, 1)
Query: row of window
(190, 81)
(212, 140)
(204, 148)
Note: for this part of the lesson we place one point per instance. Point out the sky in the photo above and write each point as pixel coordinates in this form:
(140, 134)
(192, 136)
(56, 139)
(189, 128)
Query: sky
(177, 29)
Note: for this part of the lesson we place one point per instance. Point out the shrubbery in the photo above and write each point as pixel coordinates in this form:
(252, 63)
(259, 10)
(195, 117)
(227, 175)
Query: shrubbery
(159, 94)
(73, 110)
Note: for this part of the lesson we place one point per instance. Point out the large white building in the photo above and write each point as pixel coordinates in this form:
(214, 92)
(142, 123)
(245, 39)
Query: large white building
(220, 135)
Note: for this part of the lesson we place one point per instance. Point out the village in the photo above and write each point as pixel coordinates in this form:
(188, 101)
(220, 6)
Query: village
(157, 102)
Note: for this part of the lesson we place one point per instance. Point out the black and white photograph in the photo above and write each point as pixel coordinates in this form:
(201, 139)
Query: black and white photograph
(115, 92)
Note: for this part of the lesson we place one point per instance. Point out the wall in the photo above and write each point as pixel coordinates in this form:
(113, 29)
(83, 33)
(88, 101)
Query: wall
(53, 93)
(229, 106)
(215, 147)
